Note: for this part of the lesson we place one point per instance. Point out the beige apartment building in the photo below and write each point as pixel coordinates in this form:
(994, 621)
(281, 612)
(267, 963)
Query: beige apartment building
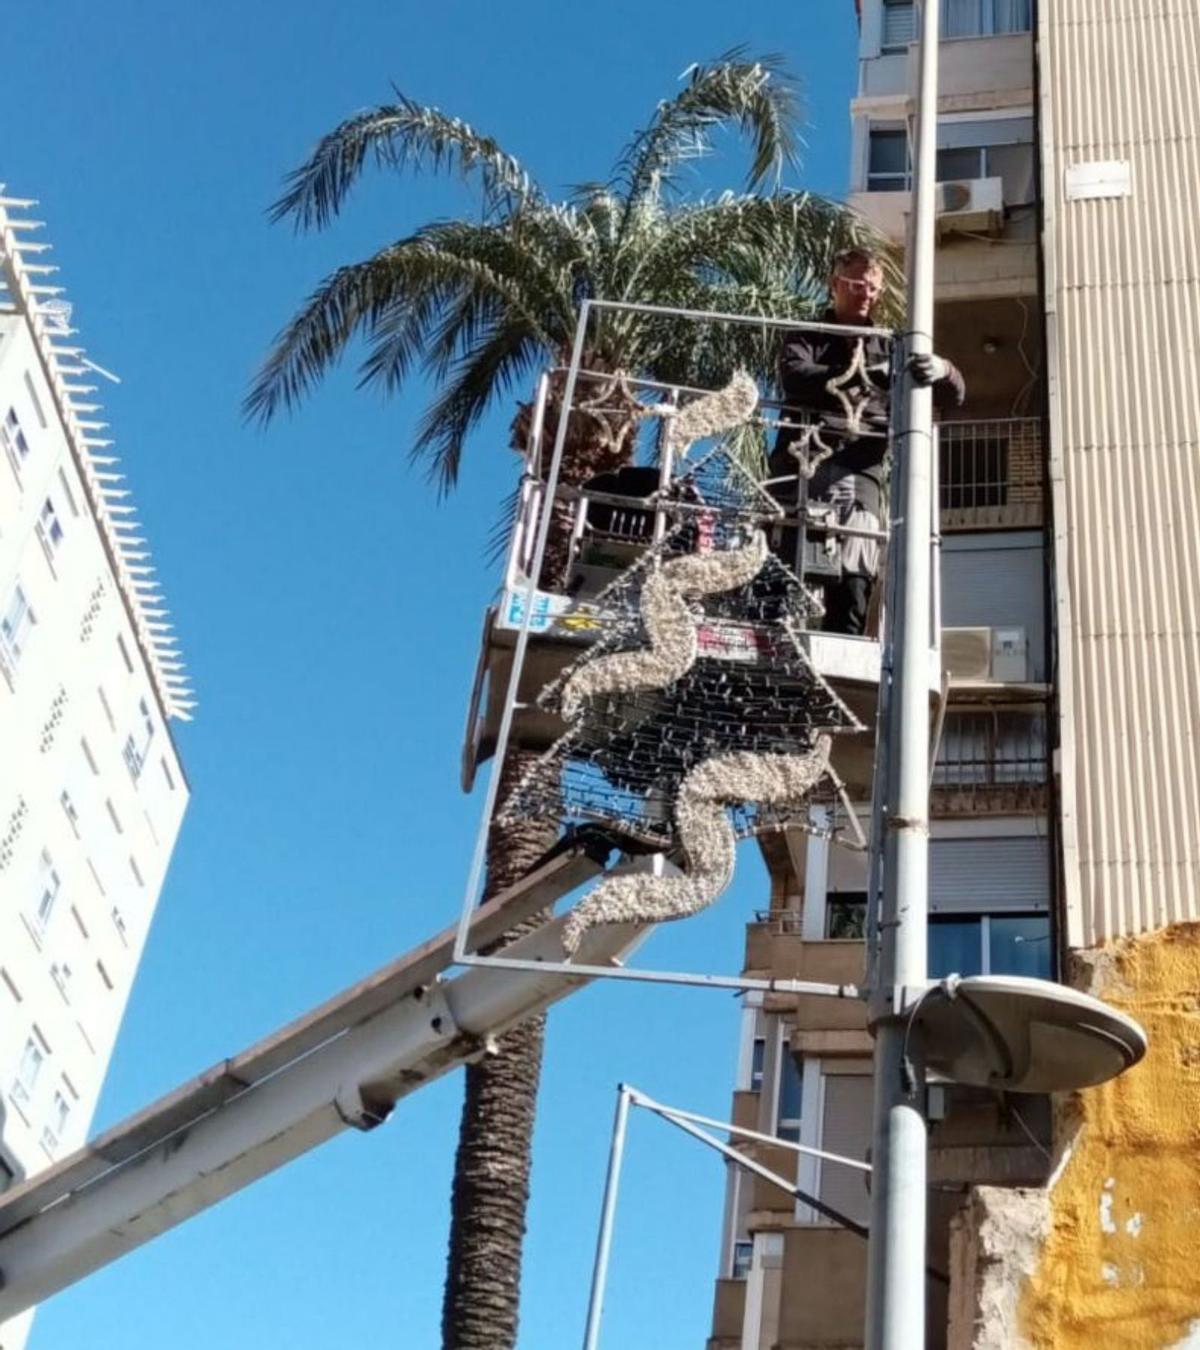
(1064, 802)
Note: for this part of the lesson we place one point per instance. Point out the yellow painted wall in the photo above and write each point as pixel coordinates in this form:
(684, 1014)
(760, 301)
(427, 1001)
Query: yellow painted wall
(1121, 1268)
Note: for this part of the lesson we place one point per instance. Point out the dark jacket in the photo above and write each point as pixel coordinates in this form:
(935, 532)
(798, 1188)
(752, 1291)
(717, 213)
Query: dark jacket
(808, 361)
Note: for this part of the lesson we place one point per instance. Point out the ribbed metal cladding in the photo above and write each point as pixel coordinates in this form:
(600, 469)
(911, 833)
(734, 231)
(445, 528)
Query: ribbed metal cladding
(1121, 81)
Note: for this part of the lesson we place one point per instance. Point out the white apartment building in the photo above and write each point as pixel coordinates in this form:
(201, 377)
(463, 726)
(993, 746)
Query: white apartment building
(92, 791)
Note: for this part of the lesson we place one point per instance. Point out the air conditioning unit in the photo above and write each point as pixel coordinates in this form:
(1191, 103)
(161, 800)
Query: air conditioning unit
(971, 205)
(967, 653)
(1010, 655)
(986, 654)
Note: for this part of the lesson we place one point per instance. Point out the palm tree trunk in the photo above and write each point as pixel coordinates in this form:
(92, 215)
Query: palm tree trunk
(491, 1169)
(490, 1193)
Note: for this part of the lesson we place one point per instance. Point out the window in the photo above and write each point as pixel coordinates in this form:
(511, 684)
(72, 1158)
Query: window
(887, 159)
(60, 973)
(846, 914)
(899, 24)
(119, 924)
(167, 774)
(984, 18)
(68, 806)
(137, 744)
(25, 1079)
(990, 944)
(791, 1095)
(102, 971)
(124, 650)
(997, 147)
(60, 1111)
(46, 893)
(136, 870)
(758, 1053)
(14, 627)
(104, 703)
(15, 444)
(743, 1256)
(49, 529)
(87, 754)
(112, 815)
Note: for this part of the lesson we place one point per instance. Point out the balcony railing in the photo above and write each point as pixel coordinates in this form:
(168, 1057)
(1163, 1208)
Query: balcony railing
(991, 758)
(991, 474)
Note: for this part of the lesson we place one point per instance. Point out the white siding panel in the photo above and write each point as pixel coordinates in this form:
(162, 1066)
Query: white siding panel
(1124, 361)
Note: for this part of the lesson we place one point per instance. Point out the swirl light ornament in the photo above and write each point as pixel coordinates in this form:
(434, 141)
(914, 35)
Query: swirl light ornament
(706, 838)
(669, 622)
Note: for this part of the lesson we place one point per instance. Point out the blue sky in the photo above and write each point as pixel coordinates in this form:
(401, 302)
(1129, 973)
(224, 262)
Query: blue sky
(330, 614)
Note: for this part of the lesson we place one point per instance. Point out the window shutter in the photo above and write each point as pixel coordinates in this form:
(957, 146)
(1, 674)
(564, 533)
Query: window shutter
(846, 1130)
(972, 875)
(899, 24)
(996, 581)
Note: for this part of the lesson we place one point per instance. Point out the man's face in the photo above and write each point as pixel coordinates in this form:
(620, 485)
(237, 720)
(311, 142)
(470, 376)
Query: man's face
(855, 287)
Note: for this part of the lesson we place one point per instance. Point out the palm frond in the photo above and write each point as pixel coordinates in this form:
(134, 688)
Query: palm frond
(755, 95)
(504, 356)
(393, 296)
(401, 135)
(536, 253)
(500, 531)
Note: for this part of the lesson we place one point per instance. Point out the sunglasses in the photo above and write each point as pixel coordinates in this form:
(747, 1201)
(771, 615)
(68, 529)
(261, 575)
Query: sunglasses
(859, 287)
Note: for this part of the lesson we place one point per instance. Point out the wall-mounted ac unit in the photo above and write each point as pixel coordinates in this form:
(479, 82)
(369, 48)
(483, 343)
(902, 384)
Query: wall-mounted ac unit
(978, 654)
(971, 205)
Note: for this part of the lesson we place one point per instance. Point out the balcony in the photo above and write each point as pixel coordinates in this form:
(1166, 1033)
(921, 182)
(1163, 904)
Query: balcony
(967, 267)
(990, 474)
(980, 73)
(831, 1264)
(729, 1311)
(991, 761)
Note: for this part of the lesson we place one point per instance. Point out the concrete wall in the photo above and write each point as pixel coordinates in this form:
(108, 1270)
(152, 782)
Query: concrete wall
(1107, 1254)
(1120, 1261)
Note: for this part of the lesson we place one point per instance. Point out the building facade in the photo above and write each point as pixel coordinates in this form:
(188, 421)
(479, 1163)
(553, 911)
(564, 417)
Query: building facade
(92, 792)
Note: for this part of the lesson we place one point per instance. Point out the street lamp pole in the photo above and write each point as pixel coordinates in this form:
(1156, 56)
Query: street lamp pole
(896, 1260)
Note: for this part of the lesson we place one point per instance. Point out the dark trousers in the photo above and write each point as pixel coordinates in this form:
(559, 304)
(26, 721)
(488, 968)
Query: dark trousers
(846, 600)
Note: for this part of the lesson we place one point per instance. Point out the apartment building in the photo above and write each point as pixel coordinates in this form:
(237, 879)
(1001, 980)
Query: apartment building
(791, 1277)
(92, 792)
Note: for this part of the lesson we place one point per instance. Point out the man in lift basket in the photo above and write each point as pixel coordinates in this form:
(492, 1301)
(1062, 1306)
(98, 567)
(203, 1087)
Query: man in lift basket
(831, 462)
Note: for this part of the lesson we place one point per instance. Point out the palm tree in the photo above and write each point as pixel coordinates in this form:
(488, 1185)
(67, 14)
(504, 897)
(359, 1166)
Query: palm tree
(480, 306)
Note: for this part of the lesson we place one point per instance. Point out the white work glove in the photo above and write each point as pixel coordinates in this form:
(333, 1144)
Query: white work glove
(926, 368)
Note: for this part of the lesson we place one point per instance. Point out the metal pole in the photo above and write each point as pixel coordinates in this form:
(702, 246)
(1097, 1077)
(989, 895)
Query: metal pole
(591, 1337)
(896, 1261)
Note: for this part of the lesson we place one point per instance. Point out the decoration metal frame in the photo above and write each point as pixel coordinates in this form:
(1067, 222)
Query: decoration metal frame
(738, 982)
